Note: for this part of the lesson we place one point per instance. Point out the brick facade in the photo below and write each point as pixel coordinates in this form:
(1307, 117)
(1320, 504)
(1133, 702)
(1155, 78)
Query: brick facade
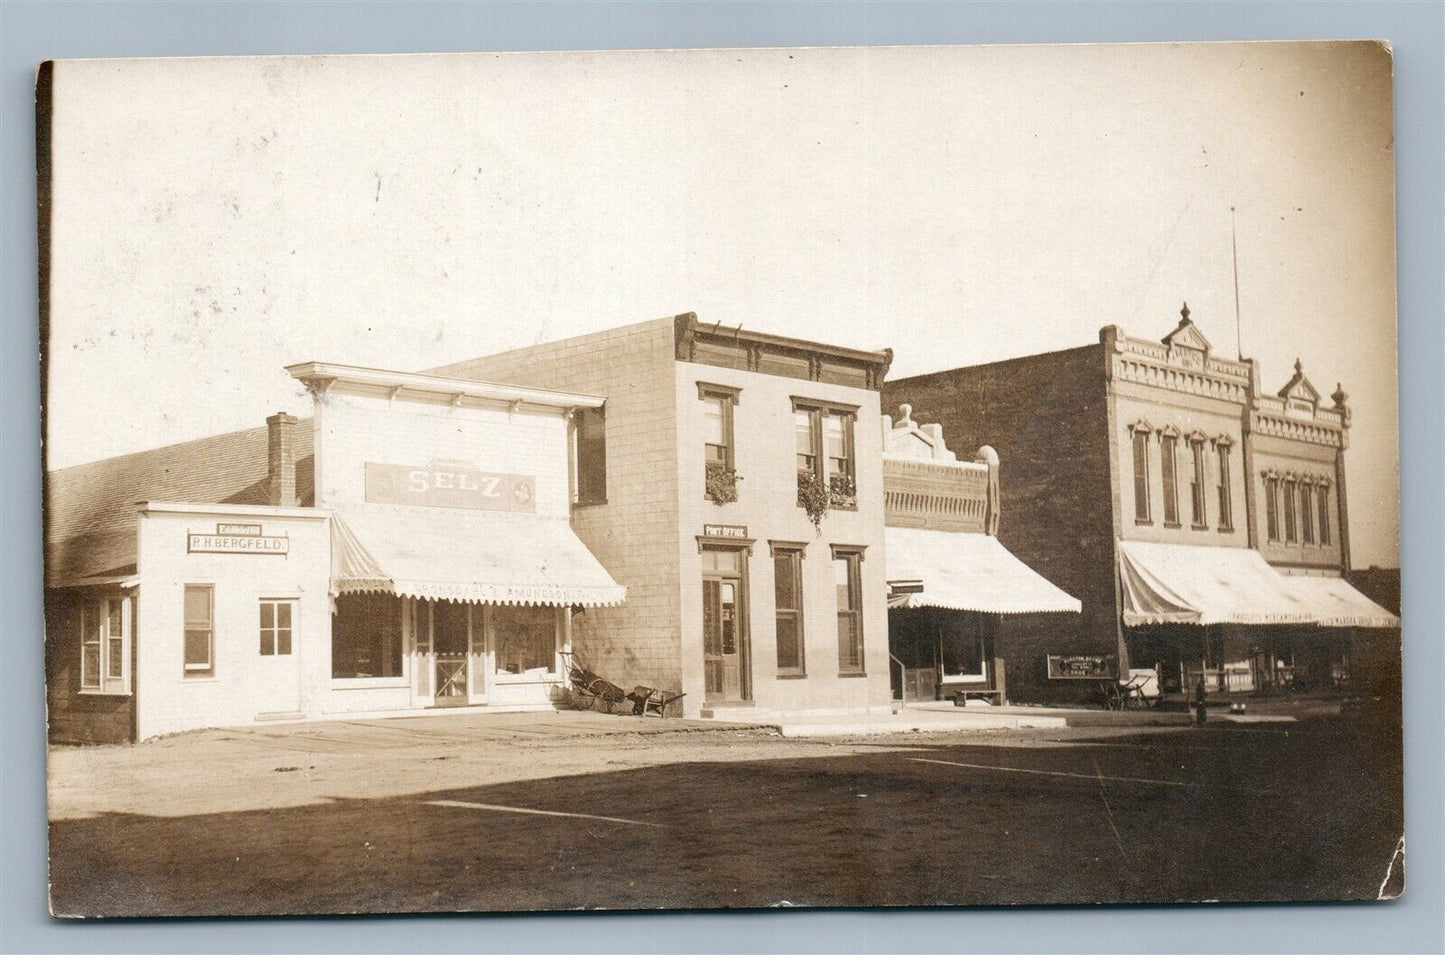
(634, 534)
(1047, 417)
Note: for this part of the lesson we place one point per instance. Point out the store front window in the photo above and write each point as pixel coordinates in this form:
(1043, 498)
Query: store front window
(366, 637)
(526, 640)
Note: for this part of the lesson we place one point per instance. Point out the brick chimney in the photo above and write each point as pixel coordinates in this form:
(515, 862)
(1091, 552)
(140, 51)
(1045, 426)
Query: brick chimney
(281, 459)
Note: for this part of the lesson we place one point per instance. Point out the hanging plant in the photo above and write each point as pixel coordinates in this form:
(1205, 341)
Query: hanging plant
(722, 483)
(814, 497)
(842, 490)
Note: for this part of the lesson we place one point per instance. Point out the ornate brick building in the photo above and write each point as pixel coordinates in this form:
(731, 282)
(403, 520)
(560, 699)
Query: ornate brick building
(1200, 519)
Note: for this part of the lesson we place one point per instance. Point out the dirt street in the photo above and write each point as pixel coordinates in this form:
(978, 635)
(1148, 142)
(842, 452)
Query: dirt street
(583, 810)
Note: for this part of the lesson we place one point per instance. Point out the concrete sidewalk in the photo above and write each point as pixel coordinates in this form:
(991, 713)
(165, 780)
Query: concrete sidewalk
(922, 718)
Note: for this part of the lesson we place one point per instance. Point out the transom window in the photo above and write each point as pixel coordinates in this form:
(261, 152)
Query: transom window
(277, 621)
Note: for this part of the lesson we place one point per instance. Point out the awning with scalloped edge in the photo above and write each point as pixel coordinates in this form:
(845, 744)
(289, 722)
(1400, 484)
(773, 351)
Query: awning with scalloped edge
(1338, 604)
(953, 570)
(466, 556)
(1192, 583)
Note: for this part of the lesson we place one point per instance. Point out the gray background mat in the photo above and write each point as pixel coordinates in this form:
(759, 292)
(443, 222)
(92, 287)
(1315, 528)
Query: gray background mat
(31, 32)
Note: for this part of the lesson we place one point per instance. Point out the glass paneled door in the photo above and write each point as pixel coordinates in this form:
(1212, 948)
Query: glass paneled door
(451, 644)
(726, 661)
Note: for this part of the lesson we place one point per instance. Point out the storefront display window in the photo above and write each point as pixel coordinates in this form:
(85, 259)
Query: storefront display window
(526, 640)
(366, 637)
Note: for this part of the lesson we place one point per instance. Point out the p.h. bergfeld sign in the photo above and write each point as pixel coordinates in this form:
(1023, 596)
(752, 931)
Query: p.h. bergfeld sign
(237, 539)
(447, 485)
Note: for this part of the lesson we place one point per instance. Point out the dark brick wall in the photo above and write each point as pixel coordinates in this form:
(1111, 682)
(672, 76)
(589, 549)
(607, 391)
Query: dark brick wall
(74, 717)
(1047, 417)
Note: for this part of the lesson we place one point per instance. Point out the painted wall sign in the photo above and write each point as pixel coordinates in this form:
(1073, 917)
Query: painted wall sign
(445, 485)
(725, 530)
(1099, 667)
(237, 539)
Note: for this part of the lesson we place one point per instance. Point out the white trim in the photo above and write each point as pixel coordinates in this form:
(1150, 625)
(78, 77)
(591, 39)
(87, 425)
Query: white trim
(225, 510)
(452, 388)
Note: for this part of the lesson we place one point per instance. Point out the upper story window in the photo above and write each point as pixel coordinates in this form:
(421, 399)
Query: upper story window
(824, 448)
(1307, 511)
(1168, 454)
(105, 639)
(1226, 500)
(1322, 492)
(718, 455)
(1197, 485)
(591, 445)
(1141, 473)
(1271, 506)
(1291, 532)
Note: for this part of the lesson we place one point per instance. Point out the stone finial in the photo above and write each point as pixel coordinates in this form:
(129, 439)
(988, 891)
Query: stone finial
(1184, 312)
(905, 416)
(1339, 396)
(1299, 367)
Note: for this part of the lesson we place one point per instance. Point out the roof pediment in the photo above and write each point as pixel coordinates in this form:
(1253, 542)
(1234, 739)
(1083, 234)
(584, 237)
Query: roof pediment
(1299, 387)
(1186, 334)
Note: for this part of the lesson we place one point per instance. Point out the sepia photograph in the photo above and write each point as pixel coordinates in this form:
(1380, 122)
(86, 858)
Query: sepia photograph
(721, 479)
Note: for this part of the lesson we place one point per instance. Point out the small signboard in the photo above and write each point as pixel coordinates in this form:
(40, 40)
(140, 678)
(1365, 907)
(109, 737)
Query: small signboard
(739, 531)
(447, 485)
(237, 539)
(1082, 667)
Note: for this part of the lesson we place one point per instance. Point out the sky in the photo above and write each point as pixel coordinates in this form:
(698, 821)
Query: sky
(217, 219)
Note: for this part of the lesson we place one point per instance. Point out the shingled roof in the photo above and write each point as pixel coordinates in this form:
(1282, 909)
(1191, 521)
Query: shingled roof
(90, 519)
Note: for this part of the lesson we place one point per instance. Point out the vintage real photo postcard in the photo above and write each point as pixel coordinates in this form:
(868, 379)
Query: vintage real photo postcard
(721, 478)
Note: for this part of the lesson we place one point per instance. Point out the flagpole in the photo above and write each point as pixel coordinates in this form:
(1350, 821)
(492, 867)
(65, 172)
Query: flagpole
(1234, 253)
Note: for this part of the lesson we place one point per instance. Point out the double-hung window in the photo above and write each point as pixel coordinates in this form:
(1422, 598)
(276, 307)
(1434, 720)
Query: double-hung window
(824, 448)
(1322, 491)
(1168, 472)
(1226, 500)
(1197, 485)
(848, 586)
(277, 622)
(788, 606)
(105, 636)
(590, 436)
(1306, 512)
(1291, 534)
(1271, 507)
(719, 460)
(1140, 439)
(200, 629)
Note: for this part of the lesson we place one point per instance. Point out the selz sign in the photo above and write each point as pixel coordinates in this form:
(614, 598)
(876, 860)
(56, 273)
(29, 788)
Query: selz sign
(446, 485)
(237, 539)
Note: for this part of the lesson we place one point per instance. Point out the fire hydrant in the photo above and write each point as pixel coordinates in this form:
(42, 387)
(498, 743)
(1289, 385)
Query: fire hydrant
(1199, 701)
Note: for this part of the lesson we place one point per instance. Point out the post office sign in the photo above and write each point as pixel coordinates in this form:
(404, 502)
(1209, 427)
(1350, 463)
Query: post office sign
(725, 530)
(447, 485)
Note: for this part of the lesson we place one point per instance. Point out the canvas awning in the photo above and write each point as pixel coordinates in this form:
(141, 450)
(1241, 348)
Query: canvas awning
(1191, 583)
(467, 556)
(961, 571)
(1338, 604)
